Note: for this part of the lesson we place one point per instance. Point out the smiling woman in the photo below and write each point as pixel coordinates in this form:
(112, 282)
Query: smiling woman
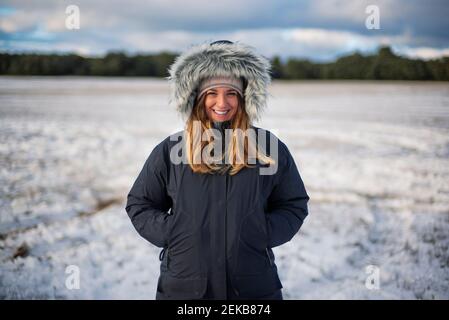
(217, 223)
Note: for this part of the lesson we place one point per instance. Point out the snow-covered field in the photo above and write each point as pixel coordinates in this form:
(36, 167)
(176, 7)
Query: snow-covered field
(374, 158)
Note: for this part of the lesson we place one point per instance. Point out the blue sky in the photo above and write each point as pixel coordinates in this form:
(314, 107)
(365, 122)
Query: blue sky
(320, 30)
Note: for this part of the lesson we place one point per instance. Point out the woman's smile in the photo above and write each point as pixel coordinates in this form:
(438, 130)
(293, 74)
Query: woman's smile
(221, 112)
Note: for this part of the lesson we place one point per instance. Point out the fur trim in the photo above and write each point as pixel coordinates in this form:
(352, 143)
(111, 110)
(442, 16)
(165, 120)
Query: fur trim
(219, 60)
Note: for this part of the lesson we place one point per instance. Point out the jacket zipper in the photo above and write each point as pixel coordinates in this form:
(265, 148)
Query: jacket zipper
(226, 234)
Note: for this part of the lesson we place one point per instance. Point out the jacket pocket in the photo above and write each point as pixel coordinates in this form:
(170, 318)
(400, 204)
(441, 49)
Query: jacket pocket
(266, 228)
(251, 255)
(254, 230)
(171, 288)
(257, 286)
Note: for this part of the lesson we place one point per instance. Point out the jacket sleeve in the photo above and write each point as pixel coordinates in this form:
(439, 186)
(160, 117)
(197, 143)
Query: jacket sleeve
(287, 203)
(148, 202)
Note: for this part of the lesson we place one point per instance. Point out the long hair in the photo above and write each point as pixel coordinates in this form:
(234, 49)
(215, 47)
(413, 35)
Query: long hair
(237, 157)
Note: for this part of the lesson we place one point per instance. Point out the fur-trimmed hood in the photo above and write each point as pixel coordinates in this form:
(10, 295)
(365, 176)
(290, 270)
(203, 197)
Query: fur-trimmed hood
(219, 59)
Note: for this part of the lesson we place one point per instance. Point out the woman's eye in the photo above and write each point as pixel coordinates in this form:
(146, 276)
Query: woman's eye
(212, 93)
(232, 93)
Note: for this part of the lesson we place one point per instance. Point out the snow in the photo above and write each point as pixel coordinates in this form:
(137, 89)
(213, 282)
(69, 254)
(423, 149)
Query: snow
(374, 158)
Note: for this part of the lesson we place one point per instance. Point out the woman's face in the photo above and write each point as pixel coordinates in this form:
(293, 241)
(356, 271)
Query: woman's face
(221, 103)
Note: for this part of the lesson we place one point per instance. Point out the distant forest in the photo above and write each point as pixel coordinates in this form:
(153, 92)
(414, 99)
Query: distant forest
(384, 65)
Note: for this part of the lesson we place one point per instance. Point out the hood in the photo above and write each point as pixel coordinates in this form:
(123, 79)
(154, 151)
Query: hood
(219, 59)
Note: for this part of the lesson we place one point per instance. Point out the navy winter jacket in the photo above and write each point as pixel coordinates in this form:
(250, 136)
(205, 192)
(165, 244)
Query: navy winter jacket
(217, 231)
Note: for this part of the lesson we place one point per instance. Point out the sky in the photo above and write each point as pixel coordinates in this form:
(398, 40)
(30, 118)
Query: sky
(319, 30)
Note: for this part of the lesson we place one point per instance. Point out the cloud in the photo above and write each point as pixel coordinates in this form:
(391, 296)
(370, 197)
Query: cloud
(320, 30)
(425, 53)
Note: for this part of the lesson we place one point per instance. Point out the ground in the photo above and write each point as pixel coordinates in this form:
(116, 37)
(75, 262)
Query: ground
(374, 158)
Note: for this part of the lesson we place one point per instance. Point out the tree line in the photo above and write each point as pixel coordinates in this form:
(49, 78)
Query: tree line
(384, 65)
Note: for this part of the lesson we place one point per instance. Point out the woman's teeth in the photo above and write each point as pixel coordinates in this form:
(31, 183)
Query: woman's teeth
(221, 112)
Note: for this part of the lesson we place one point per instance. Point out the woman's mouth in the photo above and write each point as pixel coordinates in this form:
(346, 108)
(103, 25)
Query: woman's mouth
(221, 112)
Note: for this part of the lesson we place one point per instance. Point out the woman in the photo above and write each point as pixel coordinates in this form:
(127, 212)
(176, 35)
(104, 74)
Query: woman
(218, 213)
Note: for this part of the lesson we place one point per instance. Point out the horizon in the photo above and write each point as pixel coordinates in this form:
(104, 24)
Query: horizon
(282, 59)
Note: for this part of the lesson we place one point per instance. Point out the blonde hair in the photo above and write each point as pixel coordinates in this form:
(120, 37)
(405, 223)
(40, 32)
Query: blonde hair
(235, 161)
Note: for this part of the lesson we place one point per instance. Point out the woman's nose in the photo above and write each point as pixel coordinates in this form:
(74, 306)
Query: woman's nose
(221, 101)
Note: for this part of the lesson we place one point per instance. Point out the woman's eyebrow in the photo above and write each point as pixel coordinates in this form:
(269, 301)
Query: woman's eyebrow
(227, 90)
